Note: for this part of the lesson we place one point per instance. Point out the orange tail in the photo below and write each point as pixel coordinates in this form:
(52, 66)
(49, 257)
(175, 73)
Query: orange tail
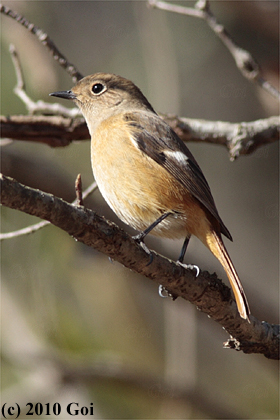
(215, 243)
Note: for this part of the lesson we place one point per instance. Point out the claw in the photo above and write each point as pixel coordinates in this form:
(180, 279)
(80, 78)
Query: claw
(138, 239)
(164, 293)
(190, 267)
(151, 258)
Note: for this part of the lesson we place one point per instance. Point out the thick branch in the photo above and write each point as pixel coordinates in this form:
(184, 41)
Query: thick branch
(239, 138)
(207, 292)
(55, 131)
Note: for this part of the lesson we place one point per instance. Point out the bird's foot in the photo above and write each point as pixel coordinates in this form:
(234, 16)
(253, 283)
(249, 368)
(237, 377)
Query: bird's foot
(190, 267)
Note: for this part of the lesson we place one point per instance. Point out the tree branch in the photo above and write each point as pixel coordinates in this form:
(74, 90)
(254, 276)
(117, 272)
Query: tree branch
(244, 61)
(45, 40)
(207, 292)
(57, 131)
(37, 226)
(39, 107)
(239, 138)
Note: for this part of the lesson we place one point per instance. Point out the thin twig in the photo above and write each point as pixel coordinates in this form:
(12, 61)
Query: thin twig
(182, 10)
(79, 190)
(244, 61)
(34, 228)
(45, 40)
(39, 106)
(25, 231)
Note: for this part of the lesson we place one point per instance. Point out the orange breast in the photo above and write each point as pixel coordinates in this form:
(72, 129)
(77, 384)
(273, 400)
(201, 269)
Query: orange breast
(138, 189)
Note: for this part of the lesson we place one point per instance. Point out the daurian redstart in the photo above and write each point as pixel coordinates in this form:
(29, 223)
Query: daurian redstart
(146, 173)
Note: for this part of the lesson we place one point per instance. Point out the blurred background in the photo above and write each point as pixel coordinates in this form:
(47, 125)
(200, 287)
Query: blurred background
(79, 328)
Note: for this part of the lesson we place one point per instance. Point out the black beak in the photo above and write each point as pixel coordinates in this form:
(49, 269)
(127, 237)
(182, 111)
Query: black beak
(65, 94)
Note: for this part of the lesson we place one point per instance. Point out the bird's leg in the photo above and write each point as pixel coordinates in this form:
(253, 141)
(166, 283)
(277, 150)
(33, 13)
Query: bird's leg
(182, 254)
(142, 235)
(162, 291)
(183, 250)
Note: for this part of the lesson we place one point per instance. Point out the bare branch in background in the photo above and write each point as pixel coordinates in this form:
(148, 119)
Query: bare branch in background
(39, 106)
(46, 41)
(244, 61)
(55, 131)
(239, 138)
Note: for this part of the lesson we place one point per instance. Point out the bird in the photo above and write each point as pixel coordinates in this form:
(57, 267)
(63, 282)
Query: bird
(146, 173)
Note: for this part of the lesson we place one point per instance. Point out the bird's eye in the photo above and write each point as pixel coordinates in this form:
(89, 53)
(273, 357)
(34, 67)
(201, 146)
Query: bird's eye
(98, 88)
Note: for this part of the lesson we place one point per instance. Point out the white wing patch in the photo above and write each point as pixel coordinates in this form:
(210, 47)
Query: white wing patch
(177, 155)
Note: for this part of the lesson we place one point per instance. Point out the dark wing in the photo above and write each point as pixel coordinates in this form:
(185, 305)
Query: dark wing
(157, 139)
